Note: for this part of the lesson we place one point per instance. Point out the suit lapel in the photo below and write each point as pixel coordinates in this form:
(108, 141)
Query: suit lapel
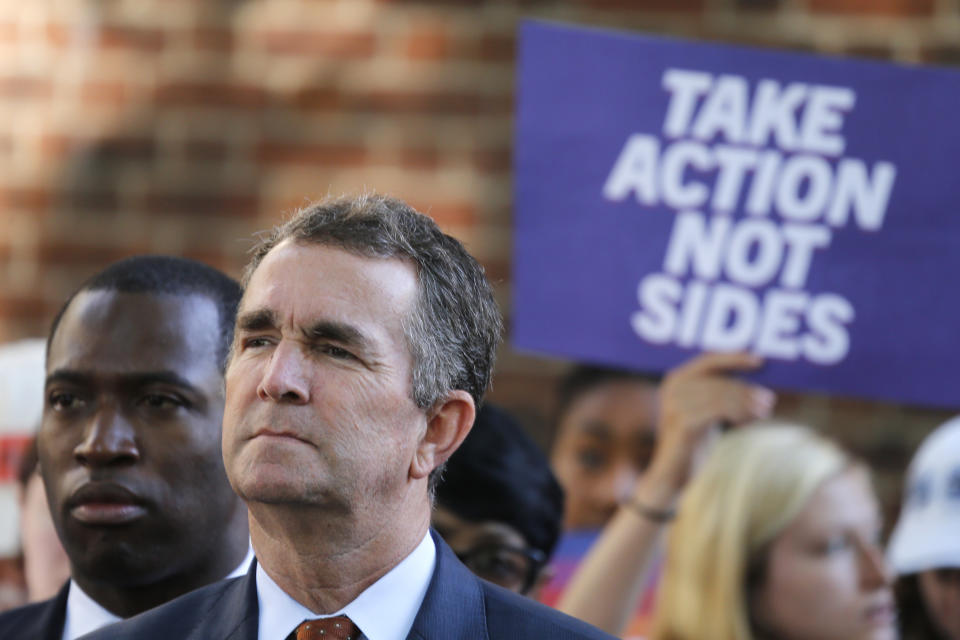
(453, 607)
(51, 620)
(235, 614)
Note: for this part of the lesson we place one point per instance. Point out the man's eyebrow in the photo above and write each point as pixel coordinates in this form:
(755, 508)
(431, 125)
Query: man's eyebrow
(257, 320)
(68, 376)
(338, 332)
(172, 378)
(138, 379)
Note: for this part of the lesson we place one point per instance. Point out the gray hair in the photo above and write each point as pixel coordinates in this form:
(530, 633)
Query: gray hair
(455, 327)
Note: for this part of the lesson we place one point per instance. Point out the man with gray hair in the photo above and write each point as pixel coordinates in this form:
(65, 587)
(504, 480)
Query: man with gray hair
(364, 342)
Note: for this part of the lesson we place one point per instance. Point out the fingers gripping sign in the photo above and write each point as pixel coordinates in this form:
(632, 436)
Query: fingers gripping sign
(696, 399)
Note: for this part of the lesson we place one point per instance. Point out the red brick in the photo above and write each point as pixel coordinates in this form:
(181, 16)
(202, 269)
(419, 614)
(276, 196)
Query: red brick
(205, 150)
(313, 43)
(496, 160)
(883, 7)
(54, 253)
(448, 214)
(35, 199)
(89, 200)
(439, 102)
(113, 93)
(202, 204)
(213, 38)
(124, 149)
(497, 48)
(127, 37)
(24, 307)
(428, 43)
(420, 158)
(210, 94)
(55, 145)
(686, 6)
(317, 98)
(311, 154)
(758, 5)
(875, 52)
(19, 87)
(213, 257)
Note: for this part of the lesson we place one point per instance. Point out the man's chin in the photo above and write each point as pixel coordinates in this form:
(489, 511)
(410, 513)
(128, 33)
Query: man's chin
(122, 567)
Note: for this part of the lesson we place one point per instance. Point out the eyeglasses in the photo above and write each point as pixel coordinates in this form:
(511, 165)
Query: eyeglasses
(514, 568)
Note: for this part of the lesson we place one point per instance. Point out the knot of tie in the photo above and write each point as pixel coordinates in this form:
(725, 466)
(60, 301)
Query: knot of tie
(336, 628)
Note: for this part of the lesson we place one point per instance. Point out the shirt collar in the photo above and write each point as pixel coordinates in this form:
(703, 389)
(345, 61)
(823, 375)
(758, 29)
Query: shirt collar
(243, 567)
(383, 611)
(84, 614)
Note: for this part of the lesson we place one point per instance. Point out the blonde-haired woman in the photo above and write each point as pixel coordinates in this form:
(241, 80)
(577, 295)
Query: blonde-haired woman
(776, 537)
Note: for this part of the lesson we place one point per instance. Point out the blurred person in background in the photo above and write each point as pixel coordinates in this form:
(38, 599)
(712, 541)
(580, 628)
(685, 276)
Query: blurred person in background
(129, 446)
(609, 425)
(924, 548)
(21, 403)
(777, 536)
(498, 506)
(45, 563)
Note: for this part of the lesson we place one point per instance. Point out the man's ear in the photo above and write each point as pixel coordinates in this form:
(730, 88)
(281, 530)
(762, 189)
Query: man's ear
(448, 423)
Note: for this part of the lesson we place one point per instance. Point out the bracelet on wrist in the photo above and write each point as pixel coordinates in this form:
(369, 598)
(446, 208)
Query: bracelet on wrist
(649, 513)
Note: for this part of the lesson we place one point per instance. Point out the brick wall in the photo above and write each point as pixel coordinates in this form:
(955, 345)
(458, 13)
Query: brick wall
(181, 126)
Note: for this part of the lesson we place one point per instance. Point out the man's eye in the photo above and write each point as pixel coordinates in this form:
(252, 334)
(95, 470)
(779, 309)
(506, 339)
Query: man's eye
(253, 343)
(337, 352)
(161, 401)
(63, 401)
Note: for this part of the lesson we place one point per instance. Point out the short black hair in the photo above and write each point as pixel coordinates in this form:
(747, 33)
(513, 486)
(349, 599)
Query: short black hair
(169, 275)
(583, 378)
(499, 474)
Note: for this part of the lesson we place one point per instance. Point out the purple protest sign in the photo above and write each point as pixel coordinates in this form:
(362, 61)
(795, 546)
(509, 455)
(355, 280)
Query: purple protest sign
(674, 197)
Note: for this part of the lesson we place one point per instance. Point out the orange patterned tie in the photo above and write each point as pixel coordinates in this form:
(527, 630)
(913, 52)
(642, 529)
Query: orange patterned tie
(338, 628)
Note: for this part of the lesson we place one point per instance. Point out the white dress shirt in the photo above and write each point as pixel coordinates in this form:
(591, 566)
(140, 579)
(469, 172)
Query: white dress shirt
(85, 615)
(383, 611)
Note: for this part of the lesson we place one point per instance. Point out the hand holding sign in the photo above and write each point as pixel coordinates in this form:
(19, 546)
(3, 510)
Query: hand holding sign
(695, 399)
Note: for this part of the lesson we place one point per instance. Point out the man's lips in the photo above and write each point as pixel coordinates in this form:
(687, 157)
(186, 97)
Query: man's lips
(105, 504)
(278, 433)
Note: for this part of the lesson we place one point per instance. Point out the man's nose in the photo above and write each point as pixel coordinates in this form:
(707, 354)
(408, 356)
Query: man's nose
(285, 379)
(109, 439)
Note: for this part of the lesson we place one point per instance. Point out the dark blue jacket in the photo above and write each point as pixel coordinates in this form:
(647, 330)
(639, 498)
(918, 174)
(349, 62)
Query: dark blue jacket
(457, 606)
(37, 621)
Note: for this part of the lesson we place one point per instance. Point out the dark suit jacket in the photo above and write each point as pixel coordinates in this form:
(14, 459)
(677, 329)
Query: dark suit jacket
(457, 606)
(37, 621)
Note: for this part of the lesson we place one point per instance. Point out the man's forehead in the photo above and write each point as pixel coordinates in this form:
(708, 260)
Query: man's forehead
(122, 331)
(312, 268)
